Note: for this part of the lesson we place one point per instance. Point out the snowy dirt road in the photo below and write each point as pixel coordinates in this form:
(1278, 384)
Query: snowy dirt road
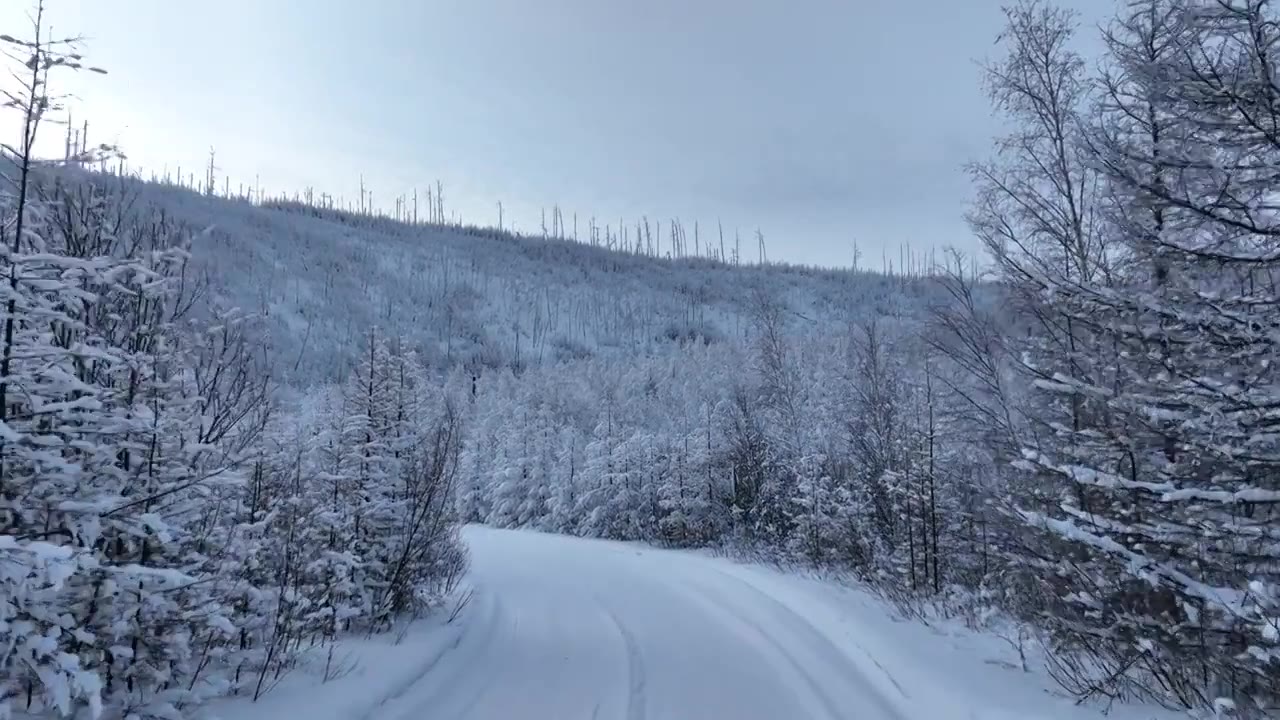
(564, 628)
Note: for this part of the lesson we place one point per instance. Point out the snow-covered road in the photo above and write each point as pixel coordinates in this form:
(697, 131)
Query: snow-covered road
(564, 628)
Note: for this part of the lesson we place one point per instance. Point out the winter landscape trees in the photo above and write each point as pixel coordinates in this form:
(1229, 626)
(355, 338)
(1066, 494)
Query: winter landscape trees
(1152, 292)
(1081, 439)
(167, 534)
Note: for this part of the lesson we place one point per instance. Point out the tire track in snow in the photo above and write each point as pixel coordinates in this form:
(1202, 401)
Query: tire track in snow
(458, 704)
(829, 706)
(461, 705)
(408, 684)
(892, 679)
(845, 662)
(636, 679)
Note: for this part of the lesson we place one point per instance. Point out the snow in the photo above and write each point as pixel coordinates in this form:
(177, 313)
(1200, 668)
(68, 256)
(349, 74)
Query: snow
(372, 671)
(562, 628)
(318, 278)
(1244, 495)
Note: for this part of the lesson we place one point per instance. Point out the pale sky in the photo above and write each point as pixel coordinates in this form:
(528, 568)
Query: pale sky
(820, 121)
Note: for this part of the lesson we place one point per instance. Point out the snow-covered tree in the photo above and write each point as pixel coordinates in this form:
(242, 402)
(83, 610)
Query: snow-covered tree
(1149, 345)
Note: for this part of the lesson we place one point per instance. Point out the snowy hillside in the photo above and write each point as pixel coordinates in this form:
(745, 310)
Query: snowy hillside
(322, 278)
(235, 437)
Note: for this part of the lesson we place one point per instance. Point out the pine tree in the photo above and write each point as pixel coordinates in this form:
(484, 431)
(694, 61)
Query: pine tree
(1150, 363)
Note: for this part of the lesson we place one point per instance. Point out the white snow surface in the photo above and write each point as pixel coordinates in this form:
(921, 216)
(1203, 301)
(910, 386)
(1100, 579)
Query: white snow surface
(561, 628)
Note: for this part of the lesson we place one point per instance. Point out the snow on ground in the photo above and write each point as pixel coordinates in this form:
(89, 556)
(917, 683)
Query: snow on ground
(563, 628)
(366, 674)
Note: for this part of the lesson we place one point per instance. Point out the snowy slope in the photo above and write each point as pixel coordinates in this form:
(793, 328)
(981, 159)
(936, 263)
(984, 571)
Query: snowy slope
(563, 628)
(321, 279)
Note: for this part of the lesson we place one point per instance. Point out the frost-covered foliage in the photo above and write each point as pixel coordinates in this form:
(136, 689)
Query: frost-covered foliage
(1095, 455)
(1084, 442)
(1132, 217)
(824, 445)
(169, 532)
(461, 295)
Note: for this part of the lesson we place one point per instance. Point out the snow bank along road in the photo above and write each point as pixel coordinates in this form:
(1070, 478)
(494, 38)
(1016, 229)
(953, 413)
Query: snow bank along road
(562, 628)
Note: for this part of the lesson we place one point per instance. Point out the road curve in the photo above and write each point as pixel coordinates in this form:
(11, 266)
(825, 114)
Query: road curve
(562, 628)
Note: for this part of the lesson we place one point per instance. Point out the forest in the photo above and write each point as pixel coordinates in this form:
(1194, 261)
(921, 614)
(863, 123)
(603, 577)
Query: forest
(233, 431)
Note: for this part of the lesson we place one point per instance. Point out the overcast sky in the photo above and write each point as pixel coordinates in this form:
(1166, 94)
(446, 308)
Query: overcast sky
(820, 121)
